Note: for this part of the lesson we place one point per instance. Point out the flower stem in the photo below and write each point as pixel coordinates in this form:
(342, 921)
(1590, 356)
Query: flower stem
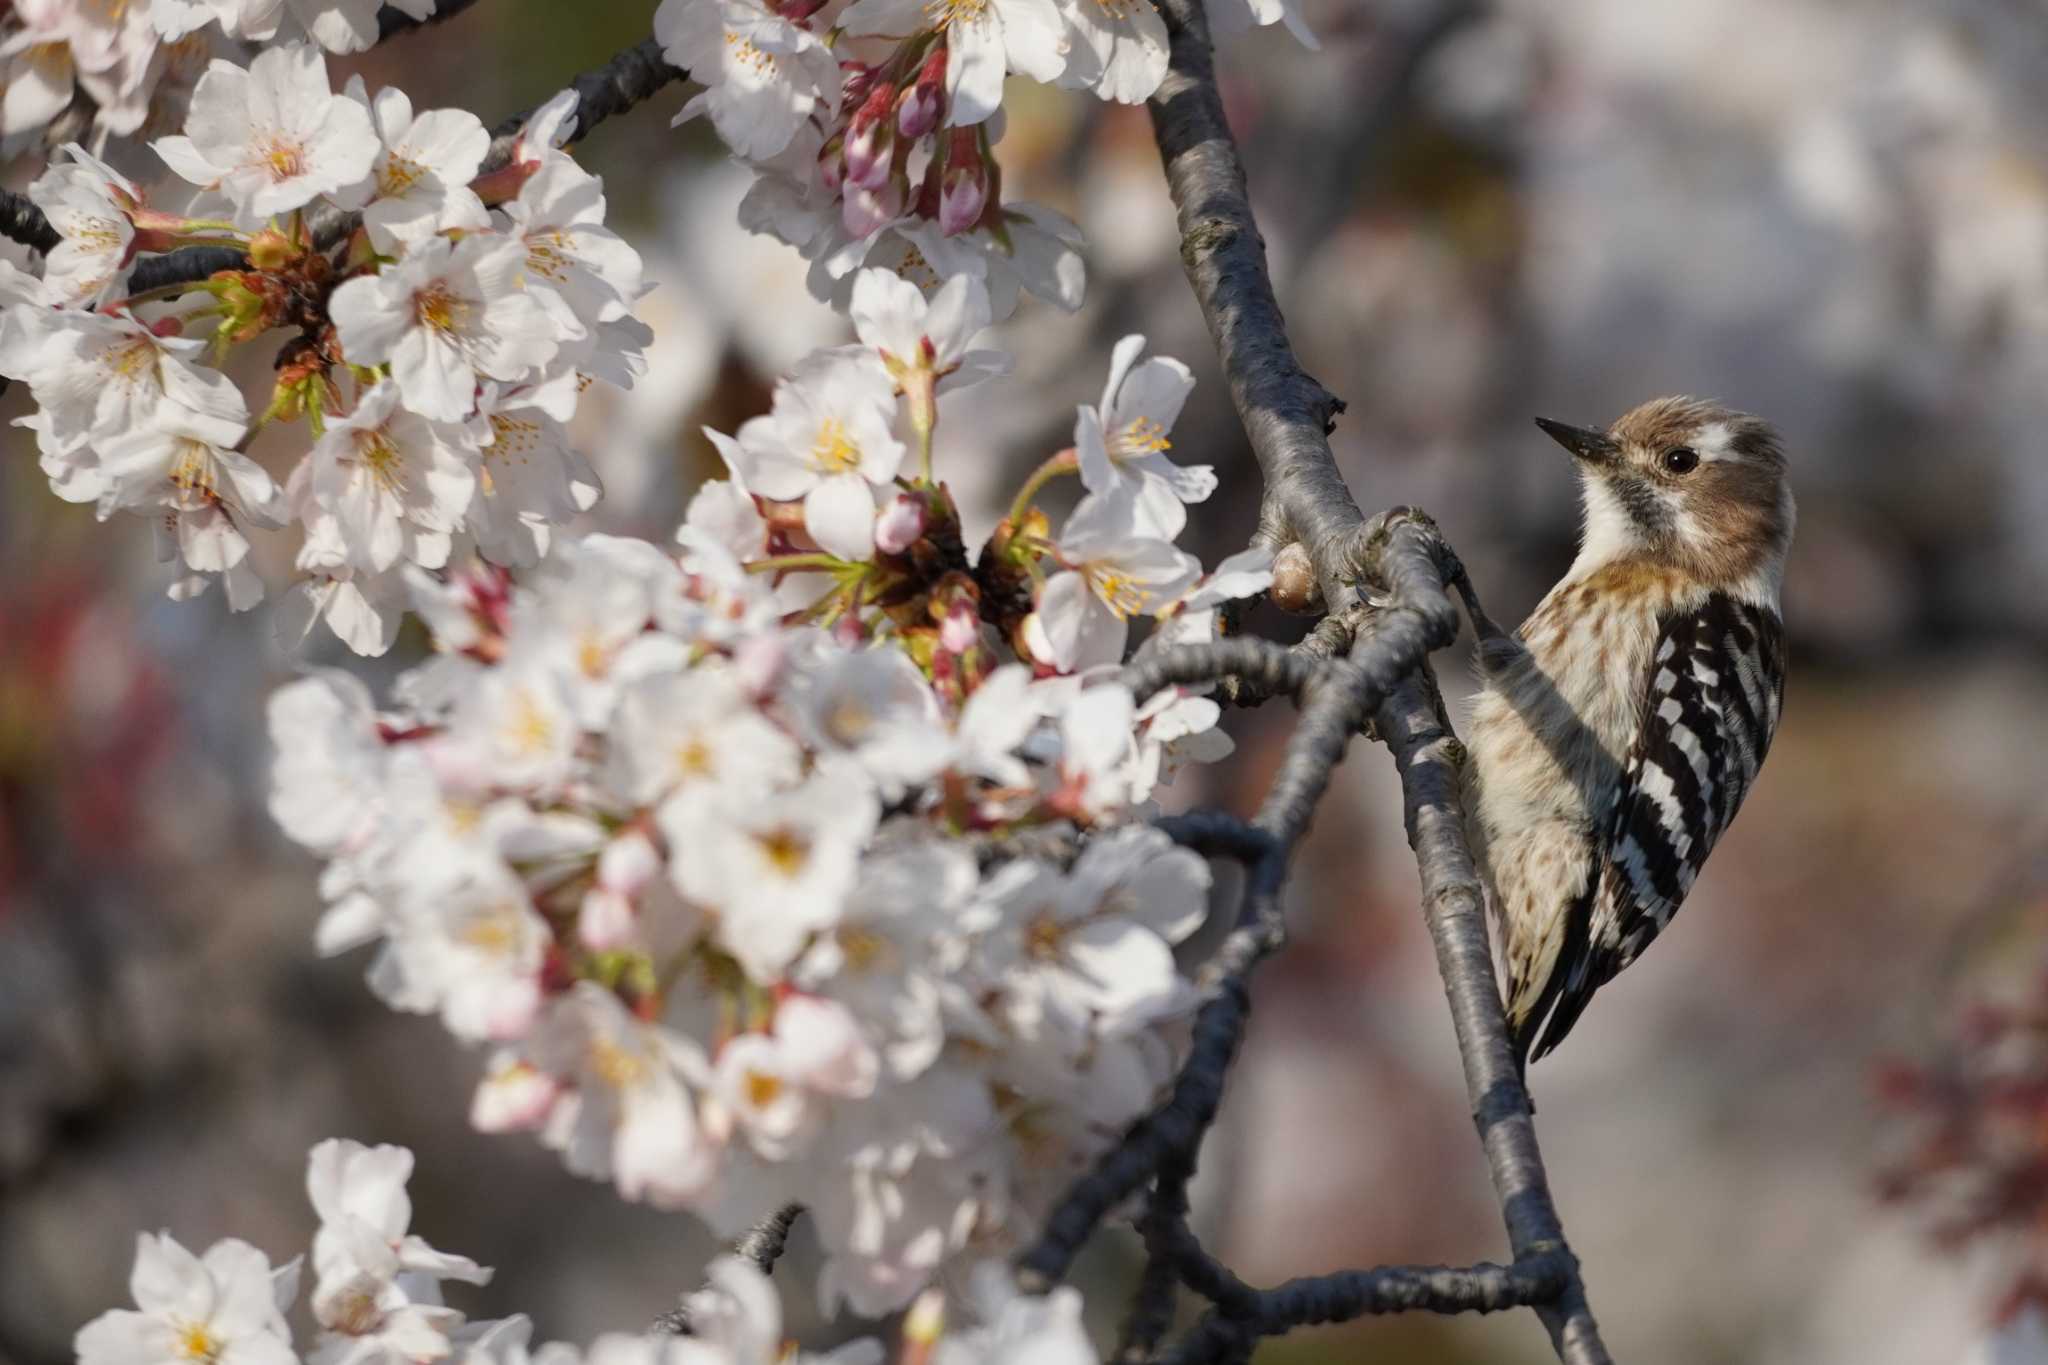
(1067, 461)
(776, 563)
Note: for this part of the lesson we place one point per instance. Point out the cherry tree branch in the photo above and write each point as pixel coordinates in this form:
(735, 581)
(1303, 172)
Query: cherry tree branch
(392, 21)
(1287, 415)
(22, 221)
(1365, 666)
(761, 1245)
(628, 79)
(1453, 905)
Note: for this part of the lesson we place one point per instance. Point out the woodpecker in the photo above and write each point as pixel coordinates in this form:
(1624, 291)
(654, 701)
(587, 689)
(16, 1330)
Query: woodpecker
(1615, 734)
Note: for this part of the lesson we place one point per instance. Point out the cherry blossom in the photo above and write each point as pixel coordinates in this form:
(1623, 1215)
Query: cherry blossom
(273, 137)
(763, 74)
(447, 316)
(90, 204)
(394, 484)
(376, 1294)
(419, 183)
(1122, 442)
(221, 1306)
(984, 42)
(1117, 567)
(826, 441)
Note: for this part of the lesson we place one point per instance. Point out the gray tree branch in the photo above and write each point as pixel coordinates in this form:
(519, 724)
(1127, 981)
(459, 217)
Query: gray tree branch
(1367, 662)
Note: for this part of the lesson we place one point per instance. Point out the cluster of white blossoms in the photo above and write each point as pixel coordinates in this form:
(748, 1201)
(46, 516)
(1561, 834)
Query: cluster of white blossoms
(717, 847)
(116, 67)
(806, 859)
(870, 124)
(376, 1300)
(444, 335)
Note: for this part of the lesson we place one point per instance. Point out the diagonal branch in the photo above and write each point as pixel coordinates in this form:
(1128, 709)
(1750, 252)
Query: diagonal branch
(1287, 414)
(628, 79)
(1428, 757)
(761, 1245)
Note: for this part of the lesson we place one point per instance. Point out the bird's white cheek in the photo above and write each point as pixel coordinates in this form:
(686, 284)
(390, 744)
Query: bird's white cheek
(1611, 533)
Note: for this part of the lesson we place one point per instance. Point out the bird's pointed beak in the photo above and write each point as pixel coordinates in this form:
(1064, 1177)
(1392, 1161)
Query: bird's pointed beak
(1594, 447)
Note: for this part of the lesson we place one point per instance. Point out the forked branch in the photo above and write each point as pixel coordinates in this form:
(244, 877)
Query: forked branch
(1387, 585)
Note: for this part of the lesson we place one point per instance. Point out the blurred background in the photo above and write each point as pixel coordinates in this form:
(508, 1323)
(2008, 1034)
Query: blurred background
(1773, 1141)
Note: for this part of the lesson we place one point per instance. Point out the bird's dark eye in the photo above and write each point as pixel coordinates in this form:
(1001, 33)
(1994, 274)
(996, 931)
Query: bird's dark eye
(1681, 459)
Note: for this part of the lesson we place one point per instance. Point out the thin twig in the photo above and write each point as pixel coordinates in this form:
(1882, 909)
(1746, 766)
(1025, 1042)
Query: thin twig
(392, 21)
(761, 1245)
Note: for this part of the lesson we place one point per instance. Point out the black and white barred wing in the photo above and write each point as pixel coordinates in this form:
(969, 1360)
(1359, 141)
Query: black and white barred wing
(1710, 707)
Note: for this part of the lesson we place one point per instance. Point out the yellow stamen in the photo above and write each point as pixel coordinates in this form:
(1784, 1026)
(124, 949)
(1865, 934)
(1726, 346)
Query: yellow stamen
(1141, 436)
(382, 460)
(694, 758)
(614, 1065)
(438, 307)
(832, 450)
(1118, 592)
(195, 1342)
(286, 160)
(529, 729)
(787, 850)
(762, 1088)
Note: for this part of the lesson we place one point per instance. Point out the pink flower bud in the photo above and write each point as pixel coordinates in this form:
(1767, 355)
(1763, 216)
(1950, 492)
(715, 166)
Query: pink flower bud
(963, 193)
(871, 139)
(918, 112)
(628, 863)
(961, 630)
(862, 211)
(606, 920)
(856, 77)
(900, 524)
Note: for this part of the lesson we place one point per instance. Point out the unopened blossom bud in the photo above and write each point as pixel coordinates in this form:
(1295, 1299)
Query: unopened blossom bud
(900, 524)
(1294, 581)
(963, 193)
(605, 921)
(628, 863)
(871, 139)
(862, 211)
(961, 630)
(856, 79)
(918, 111)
